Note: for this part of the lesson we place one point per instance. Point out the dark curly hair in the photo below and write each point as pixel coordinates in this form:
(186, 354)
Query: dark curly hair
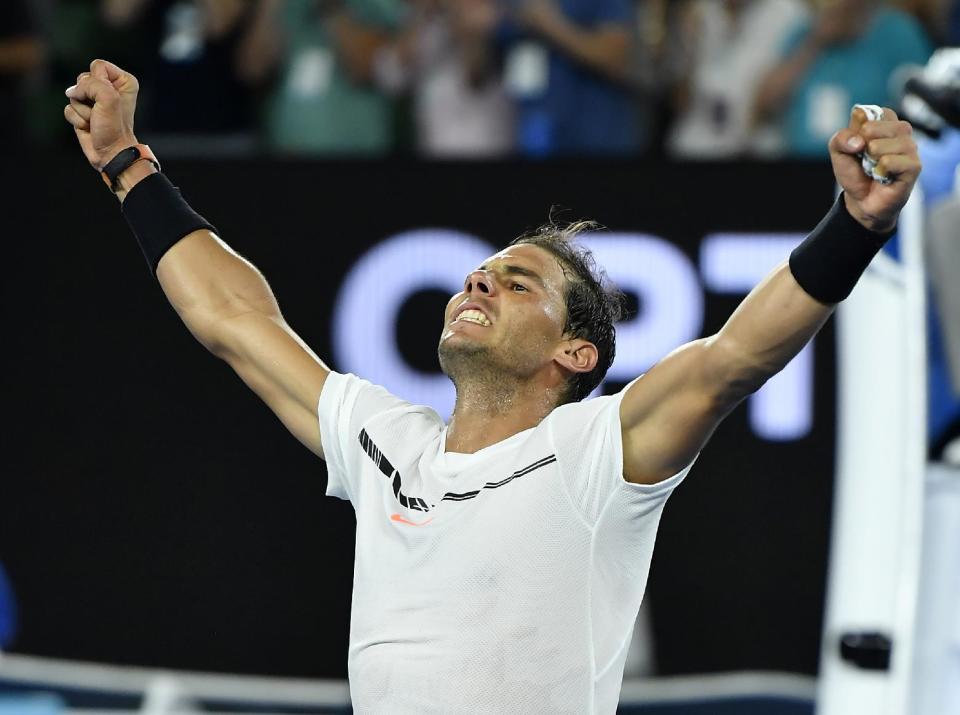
(593, 304)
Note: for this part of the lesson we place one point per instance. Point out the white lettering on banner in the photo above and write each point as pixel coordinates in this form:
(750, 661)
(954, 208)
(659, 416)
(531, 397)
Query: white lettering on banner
(671, 300)
(664, 279)
(734, 263)
(378, 284)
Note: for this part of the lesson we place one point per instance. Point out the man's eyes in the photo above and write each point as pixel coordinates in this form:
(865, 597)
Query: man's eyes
(519, 287)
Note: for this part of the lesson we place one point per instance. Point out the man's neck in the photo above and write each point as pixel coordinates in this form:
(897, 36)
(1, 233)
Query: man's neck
(484, 417)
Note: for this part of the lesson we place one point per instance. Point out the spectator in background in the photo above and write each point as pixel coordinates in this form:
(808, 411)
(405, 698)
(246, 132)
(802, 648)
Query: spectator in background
(566, 66)
(446, 54)
(843, 56)
(21, 55)
(8, 612)
(734, 43)
(323, 100)
(659, 67)
(189, 81)
(932, 14)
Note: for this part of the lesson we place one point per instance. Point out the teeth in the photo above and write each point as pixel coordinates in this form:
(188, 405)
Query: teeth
(474, 316)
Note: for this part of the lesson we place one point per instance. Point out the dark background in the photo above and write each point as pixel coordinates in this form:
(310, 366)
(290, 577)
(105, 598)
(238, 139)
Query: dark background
(153, 512)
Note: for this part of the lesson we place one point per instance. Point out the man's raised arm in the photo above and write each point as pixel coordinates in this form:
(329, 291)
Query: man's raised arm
(668, 416)
(223, 300)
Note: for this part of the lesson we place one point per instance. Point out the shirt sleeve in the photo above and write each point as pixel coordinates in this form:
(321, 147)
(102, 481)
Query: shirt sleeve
(906, 41)
(346, 404)
(589, 448)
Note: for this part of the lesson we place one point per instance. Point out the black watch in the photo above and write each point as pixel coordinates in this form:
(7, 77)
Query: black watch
(123, 161)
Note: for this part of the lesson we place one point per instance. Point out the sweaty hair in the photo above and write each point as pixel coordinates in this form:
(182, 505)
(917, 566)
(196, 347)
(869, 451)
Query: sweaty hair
(593, 304)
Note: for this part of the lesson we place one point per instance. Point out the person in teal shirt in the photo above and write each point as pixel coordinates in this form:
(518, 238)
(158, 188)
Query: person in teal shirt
(844, 56)
(323, 101)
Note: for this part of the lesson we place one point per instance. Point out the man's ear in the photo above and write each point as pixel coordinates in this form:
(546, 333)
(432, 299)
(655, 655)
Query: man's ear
(577, 355)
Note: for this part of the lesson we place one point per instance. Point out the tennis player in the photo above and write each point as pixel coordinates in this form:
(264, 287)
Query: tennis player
(502, 555)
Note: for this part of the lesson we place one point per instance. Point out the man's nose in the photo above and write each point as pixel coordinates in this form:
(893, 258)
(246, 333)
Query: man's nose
(480, 281)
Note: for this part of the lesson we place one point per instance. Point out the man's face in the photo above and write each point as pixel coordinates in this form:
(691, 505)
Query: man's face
(509, 317)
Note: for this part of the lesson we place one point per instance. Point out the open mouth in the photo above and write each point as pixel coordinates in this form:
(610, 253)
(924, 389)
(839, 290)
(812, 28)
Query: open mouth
(473, 316)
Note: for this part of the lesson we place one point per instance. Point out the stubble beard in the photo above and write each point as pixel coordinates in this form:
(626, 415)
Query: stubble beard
(478, 372)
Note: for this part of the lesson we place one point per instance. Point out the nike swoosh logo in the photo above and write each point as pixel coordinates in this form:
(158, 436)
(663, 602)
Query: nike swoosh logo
(402, 520)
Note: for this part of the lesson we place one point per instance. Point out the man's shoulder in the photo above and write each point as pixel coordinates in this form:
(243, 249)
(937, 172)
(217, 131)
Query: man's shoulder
(374, 402)
(584, 409)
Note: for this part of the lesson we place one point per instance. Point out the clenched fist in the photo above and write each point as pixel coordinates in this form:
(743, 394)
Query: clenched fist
(101, 109)
(888, 140)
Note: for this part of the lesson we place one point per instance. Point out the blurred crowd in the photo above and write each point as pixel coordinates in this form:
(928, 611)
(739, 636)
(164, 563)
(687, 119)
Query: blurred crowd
(474, 78)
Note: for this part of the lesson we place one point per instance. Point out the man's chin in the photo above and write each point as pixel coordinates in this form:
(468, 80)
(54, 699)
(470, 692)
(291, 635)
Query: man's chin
(456, 350)
(460, 344)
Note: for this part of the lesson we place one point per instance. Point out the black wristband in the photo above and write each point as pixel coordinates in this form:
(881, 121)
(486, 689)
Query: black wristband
(830, 261)
(159, 217)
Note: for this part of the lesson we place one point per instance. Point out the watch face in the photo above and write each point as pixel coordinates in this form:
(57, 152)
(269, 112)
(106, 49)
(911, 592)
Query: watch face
(120, 163)
(128, 156)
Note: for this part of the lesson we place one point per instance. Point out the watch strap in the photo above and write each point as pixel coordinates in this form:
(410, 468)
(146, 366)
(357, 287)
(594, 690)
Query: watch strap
(123, 161)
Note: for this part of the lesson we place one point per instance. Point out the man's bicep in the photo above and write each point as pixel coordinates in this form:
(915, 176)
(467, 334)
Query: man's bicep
(279, 367)
(667, 416)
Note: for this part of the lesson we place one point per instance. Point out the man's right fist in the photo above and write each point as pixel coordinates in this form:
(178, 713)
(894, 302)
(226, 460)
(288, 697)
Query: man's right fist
(101, 109)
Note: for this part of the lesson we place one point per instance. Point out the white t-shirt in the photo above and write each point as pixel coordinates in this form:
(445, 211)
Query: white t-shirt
(504, 581)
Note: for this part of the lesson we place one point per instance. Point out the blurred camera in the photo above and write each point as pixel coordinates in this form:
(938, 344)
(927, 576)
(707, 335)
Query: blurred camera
(930, 96)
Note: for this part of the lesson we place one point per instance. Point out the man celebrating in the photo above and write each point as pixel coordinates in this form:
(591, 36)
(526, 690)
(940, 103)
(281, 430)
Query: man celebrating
(501, 557)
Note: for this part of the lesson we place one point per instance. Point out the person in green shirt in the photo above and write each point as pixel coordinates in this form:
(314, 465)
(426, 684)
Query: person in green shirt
(842, 56)
(322, 100)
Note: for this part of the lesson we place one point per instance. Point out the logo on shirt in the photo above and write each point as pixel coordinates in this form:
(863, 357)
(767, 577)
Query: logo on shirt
(419, 504)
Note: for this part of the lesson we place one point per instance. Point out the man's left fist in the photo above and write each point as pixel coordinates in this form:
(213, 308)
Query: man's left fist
(890, 142)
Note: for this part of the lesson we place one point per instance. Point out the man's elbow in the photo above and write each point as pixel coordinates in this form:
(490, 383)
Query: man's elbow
(732, 372)
(221, 330)
(207, 329)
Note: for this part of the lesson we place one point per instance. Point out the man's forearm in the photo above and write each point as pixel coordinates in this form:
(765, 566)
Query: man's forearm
(208, 285)
(223, 300)
(766, 331)
(787, 309)
(205, 281)
(667, 417)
